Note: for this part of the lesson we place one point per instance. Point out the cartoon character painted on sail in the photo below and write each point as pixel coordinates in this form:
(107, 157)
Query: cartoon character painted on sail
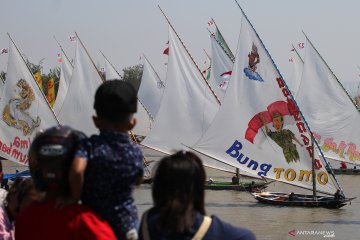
(254, 59)
(283, 137)
(15, 113)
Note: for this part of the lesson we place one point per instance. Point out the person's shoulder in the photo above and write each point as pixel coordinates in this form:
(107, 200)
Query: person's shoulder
(226, 230)
(3, 194)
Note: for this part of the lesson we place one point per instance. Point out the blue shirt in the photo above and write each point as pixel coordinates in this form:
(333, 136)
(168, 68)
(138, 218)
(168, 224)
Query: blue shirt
(114, 163)
(217, 230)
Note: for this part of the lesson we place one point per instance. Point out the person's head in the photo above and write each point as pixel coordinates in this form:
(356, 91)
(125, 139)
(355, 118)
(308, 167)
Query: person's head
(21, 193)
(278, 121)
(115, 104)
(50, 157)
(178, 190)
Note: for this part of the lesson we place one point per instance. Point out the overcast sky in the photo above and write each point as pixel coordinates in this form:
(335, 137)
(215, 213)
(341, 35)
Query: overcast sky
(124, 29)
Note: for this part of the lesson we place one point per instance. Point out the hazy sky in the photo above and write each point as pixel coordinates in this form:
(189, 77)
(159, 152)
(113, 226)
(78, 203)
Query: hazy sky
(124, 29)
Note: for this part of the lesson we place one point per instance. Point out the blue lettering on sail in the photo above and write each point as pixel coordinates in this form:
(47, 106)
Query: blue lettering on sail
(234, 152)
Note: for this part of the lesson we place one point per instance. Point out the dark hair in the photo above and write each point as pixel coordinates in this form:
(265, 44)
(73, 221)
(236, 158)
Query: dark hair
(22, 187)
(115, 100)
(178, 191)
(50, 157)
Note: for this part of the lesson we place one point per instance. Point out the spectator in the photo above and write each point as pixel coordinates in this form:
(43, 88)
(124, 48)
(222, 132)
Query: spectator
(50, 157)
(3, 191)
(108, 166)
(20, 195)
(179, 211)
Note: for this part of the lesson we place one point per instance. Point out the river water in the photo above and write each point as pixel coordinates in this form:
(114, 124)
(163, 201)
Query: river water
(267, 222)
(274, 222)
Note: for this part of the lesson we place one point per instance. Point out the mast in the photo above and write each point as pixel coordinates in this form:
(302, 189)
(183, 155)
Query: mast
(313, 168)
(89, 57)
(207, 53)
(2, 79)
(110, 63)
(61, 48)
(226, 49)
(42, 93)
(192, 59)
(157, 75)
(290, 94)
(297, 53)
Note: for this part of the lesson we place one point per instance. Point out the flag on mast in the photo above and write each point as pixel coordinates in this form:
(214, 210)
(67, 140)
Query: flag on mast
(64, 82)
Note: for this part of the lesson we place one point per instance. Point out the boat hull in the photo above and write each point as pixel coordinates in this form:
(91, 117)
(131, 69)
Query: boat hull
(346, 171)
(299, 200)
(249, 187)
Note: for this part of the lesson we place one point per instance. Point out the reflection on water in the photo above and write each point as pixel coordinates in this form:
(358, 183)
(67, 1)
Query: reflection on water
(276, 222)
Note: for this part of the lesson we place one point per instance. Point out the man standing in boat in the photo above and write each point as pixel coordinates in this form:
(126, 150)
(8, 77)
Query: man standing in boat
(283, 137)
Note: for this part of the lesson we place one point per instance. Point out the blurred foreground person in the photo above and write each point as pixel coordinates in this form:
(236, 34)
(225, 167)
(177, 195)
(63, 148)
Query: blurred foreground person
(20, 195)
(179, 198)
(107, 166)
(50, 157)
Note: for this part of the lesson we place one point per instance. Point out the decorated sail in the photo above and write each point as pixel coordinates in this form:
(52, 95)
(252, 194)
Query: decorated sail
(151, 89)
(221, 68)
(64, 82)
(329, 110)
(258, 127)
(77, 109)
(24, 110)
(187, 106)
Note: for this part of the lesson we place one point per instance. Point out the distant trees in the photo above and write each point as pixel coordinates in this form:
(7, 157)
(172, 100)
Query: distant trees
(133, 75)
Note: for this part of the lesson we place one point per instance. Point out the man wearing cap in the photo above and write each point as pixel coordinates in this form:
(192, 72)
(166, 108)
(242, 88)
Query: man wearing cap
(283, 137)
(108, 166)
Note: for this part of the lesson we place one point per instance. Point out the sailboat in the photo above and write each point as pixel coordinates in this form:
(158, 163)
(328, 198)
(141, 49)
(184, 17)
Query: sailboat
(265, 132)
(331, 125)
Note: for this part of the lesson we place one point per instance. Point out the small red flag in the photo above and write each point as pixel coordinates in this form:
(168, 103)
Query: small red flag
(166, 51)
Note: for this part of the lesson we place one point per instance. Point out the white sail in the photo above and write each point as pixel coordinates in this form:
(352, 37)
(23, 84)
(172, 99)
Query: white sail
(144, 121)
(257, 96)
(151, 89)
(24, 110)
(330, 112)
(64, 82)
(77, 109)
(187, 106)
(297, 69)
(110, 71)
(221, 68)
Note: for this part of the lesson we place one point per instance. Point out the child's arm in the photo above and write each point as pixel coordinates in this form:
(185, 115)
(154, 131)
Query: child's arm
(139, 179)
(76, 177)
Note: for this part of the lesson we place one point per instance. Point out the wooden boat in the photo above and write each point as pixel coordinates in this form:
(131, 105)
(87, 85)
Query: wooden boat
(300, 200)
(242, 186)
(346, 171)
